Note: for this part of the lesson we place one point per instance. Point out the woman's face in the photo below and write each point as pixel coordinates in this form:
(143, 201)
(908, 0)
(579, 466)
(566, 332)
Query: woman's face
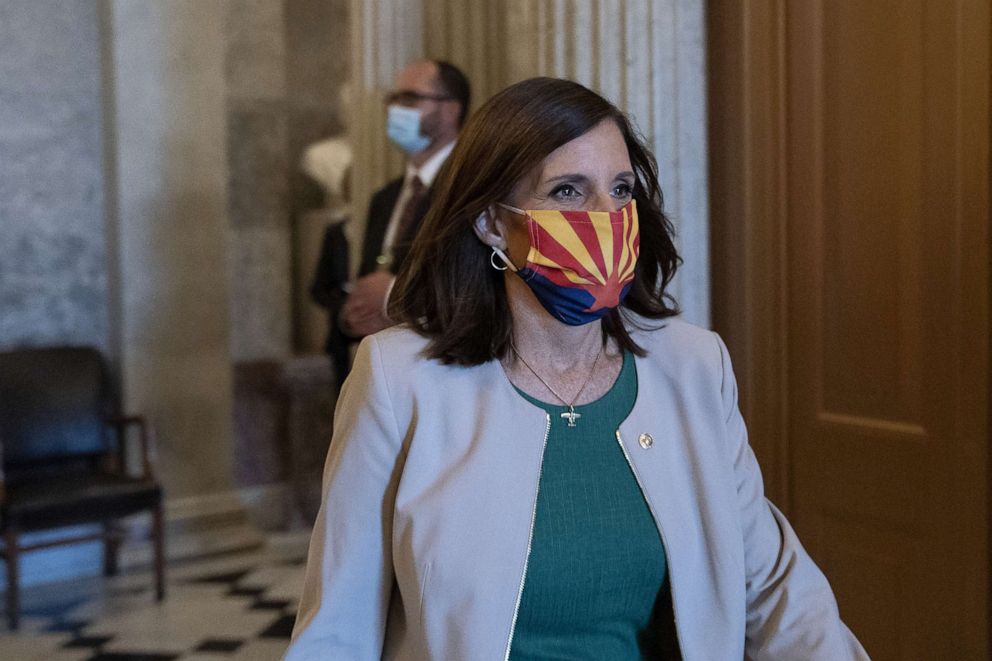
(590, 173)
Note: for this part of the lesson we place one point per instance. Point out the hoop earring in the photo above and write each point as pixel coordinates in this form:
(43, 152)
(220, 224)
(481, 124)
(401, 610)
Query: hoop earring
(492, 261)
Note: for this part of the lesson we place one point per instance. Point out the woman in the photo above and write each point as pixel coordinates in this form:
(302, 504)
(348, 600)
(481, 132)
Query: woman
(541, 462)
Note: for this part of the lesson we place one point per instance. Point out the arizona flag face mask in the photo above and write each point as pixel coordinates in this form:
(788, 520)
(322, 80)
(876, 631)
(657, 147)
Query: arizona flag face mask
(581, 263)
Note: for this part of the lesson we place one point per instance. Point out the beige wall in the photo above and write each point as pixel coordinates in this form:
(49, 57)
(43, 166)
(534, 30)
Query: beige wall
(648, 56)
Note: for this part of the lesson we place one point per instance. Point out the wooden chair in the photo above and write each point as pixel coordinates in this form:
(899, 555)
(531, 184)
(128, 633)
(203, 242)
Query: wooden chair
(64, 458)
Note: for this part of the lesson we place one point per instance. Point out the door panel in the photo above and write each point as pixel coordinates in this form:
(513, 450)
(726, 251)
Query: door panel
(875, 571)
(856, 72)
(851, 186)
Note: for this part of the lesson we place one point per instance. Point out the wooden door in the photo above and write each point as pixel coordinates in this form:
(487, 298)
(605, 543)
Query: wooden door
(850, 182)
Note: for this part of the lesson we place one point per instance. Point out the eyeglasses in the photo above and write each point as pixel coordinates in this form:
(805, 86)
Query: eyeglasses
(409, 98)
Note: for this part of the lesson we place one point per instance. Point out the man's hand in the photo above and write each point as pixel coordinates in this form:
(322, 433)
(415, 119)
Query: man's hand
(363, 312)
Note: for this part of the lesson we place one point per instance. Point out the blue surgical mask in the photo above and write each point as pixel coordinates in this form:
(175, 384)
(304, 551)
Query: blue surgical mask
(403, 128)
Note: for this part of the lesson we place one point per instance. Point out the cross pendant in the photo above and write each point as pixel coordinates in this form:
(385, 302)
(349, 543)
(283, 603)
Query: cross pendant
(571, 416)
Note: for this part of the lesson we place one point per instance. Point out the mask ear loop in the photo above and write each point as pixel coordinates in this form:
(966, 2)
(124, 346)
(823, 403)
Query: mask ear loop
(515, 210)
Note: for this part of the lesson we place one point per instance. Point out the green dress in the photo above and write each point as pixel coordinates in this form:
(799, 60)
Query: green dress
(596, 574)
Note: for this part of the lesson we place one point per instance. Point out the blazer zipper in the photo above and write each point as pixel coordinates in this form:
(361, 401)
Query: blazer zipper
(530, 540)
(661, 531)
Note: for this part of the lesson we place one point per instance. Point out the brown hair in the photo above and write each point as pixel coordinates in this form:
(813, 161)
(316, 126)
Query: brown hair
(456, 85)
(447, 290)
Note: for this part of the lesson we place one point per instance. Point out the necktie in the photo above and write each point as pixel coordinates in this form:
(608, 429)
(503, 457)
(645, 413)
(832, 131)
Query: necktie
(413, 201)
(403, 236)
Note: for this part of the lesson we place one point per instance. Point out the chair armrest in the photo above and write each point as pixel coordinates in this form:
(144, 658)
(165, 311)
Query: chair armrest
(120, 423)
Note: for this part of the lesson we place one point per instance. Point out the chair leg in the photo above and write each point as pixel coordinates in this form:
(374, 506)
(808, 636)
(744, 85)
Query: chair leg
(111, 548)
(12, 555)
(158, 542)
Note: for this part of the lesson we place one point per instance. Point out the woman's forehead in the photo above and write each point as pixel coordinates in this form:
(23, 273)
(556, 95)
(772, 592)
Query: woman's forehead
(600, 152)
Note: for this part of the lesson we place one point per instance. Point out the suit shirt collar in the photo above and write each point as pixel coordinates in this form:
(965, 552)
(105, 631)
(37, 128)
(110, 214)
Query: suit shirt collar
(428, 171)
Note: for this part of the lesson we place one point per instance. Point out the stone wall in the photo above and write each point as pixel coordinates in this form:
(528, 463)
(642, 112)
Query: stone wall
(53, 239)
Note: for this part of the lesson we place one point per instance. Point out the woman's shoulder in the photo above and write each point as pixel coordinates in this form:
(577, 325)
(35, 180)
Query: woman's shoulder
(399, 341)
(679, 347)
(673, 335)
(395, 347)
(401, 352)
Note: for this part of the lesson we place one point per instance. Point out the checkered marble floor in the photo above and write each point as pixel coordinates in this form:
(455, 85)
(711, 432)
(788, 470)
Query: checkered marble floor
(238, 607)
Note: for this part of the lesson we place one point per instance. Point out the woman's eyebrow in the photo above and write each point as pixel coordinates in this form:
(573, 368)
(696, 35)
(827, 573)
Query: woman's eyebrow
(581, 178)
(576, 177)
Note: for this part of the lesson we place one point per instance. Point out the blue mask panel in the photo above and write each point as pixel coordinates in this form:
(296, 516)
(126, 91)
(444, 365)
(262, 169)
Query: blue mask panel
(403, 128)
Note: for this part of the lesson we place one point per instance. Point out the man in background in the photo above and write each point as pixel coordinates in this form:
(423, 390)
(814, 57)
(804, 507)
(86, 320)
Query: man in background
(426, 110)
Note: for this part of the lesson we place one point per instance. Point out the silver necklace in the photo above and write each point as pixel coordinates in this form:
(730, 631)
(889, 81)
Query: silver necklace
(569, 415)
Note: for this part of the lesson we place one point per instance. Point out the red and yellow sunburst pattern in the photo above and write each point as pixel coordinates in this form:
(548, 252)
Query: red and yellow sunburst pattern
(587, 256)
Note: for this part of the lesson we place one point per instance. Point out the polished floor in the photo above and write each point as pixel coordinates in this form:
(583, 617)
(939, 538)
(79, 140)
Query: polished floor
(235, 607)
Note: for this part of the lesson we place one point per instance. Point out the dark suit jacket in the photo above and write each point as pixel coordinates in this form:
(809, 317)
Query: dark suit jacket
(380, 210)
(332, 269)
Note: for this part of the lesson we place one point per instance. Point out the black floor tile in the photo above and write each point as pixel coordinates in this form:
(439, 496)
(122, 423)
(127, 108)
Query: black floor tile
(219, 645)
(271, 604)
(88, 641)
(132, 656)
(226, 577)
(281, 628)
(246, 592)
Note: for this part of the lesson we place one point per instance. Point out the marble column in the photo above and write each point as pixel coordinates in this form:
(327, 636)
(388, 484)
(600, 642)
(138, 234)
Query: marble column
(166, 64)
(258, 181)
(318, 56)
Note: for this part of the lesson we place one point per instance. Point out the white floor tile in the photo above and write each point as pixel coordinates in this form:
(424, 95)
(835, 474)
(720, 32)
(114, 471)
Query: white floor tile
(261, 650)
(25, 647)
(66, 655)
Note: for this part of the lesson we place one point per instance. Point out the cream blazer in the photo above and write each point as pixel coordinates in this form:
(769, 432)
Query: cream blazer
(420, 548)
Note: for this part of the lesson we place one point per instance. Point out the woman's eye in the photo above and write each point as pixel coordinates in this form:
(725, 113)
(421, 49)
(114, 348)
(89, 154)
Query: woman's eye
(565, 193)
(623, 190)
